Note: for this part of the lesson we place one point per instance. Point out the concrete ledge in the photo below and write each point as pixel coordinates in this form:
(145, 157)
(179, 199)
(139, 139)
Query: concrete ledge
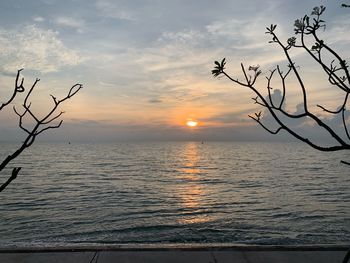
(171, 247)
(214, 253)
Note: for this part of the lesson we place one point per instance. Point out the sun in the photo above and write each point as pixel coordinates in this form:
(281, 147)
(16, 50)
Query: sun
(192, 123)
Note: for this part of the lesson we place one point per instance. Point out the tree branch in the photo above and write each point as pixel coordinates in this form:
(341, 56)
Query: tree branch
(39, 126)
(305, 28)
(13, 176)
(18, 89)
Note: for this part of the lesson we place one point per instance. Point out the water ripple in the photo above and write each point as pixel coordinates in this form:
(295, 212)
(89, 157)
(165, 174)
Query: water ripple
(253, 193)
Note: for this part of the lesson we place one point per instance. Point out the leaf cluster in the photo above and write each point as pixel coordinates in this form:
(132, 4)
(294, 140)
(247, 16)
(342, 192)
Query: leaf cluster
(308, 24)
(219, 68)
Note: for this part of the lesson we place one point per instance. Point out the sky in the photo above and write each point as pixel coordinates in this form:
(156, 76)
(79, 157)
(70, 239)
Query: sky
(146, 65)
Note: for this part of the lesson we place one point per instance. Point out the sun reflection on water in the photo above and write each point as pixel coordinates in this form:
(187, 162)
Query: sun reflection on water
(191, 192)
(190, 170)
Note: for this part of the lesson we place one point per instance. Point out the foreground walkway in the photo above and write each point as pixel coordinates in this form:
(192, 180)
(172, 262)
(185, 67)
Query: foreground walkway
(176, 253)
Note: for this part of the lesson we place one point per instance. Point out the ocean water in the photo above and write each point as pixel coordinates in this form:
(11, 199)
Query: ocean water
(176, 192)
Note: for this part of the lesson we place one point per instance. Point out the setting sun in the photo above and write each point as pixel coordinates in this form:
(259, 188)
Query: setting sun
(191, 123)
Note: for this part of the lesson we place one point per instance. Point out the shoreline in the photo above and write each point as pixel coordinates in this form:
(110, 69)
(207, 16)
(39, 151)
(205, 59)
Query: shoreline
(172, 247)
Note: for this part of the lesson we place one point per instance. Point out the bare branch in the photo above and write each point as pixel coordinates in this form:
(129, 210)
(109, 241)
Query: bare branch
(245, 74)
(262, 125)
(283, 79)
(54, 99)
(39, 125)
(54, 118)
(20, 123)
(269, 87)
(73, 90)
(13, 176)
(49, 127)
(18, 89)
(344, 124)
(29, 92)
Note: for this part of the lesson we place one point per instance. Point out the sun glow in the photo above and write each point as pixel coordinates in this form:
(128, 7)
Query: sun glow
(192, 123)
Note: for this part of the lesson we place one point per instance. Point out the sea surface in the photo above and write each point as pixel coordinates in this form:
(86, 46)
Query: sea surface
(176, 192)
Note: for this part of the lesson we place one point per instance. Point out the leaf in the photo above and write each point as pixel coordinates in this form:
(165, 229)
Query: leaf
(215, 72)
(223, 62)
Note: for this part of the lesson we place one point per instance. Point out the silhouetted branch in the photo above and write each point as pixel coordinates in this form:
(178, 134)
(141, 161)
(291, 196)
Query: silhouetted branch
(257, 119)
(39, 125)
(344, 123)
(54, 118)
(283, 79)
(18, 89)
(337, 72)
(49, 127)
(269, 87)
(13, 176)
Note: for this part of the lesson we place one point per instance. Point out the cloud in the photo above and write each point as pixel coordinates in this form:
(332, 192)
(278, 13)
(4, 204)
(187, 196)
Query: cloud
(8, 74)
(34, 48)
(71, 22)
(48, 2)
(335, 30)
(154, 100)
(229, 118)
(245, 34)
(114, 10)
(182, 37)
(38, 19)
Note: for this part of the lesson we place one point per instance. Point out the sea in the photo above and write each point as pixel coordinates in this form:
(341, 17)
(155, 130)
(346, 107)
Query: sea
(175, 193)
